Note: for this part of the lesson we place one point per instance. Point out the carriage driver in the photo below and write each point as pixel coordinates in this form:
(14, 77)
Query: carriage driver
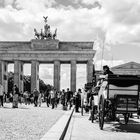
(106, 70)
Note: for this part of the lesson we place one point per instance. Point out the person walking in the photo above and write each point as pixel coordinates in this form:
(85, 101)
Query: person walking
(69, 97)
(25, 94)
(52, 95)
(63, 100)
(77, 100)
(15, 96)
(55, 98)
(39, 99)
(58, 97)
(47, 98)
(1, 95)
(36, 94)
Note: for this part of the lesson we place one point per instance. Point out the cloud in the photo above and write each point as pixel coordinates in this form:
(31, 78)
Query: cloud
(123, 11)
(28, 15)
(111, 24)
(34, 5)
(124, 20)
(46, 71)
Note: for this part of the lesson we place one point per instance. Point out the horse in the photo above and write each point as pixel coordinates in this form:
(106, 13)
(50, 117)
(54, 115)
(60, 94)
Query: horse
(55, 34)
(37, 35)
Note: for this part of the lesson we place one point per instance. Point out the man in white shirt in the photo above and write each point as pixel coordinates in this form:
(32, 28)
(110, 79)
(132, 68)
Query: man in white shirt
(1, 95)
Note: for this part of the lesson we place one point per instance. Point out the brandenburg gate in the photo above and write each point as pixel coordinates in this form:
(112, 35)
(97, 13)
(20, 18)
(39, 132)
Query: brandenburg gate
(44, 49)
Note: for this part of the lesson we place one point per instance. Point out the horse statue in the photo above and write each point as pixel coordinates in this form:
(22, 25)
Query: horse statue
(46, 33)
(37, 35)
(55, 34)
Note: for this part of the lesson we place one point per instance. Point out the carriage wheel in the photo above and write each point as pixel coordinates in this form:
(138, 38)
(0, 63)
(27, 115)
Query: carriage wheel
(101, 113)
(126, 118)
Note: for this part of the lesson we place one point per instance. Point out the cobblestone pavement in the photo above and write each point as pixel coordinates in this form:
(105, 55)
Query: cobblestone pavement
(27, 122)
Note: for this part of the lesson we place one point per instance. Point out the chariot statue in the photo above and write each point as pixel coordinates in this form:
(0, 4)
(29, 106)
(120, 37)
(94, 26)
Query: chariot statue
(46, 34)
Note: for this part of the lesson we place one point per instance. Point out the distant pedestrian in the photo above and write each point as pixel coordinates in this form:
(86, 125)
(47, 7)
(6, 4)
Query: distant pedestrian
(69, 98)
(25, 96)
(36, 94)
(39, 99)
(31, 96)
(77, 100)
(52, 95)
(58, 97)
(55, 97)
(47, 98)
(11, 97)
(63, 99)
(21, 97)
(28, 98)
(1, 95)
(15, 96)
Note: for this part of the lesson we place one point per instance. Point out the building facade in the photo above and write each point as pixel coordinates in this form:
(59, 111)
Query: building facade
(44, 51)
(131, 68)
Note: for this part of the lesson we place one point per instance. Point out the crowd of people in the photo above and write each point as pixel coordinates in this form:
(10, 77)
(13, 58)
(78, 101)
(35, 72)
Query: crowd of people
(52, 98)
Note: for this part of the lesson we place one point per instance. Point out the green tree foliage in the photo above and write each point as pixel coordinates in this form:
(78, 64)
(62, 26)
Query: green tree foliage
(27, 83)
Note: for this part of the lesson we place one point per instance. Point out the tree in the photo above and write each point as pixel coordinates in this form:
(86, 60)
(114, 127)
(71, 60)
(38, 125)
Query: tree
(27, 83)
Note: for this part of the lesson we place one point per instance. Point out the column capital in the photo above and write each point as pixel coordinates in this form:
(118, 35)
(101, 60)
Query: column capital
(34, 61)
(73, 61)
(90, 61)
(56, 61)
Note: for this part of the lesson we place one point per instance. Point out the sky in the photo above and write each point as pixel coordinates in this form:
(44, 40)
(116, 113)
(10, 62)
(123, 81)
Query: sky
(114, 26)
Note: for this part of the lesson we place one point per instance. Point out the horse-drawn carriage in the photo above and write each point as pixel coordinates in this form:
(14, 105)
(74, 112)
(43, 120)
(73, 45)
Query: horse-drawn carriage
(118, 94)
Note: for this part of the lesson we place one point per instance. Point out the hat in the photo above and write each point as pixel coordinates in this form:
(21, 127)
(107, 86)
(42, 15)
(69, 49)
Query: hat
(106, 66)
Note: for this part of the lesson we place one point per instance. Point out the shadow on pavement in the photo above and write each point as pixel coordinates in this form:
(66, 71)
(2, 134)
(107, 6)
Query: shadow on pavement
(15, 108)
(131, 127)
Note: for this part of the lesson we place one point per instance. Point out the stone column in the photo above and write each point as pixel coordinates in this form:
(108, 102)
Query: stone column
(34, 75)
(57, 75)
(18, 74)
(4, 75)
(73, 75)
(90, 70)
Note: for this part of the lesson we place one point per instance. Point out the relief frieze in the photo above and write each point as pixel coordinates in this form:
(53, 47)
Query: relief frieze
(45, 44)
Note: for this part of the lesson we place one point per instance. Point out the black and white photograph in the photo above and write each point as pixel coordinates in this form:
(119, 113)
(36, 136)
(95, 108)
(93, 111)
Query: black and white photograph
(69, 69)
